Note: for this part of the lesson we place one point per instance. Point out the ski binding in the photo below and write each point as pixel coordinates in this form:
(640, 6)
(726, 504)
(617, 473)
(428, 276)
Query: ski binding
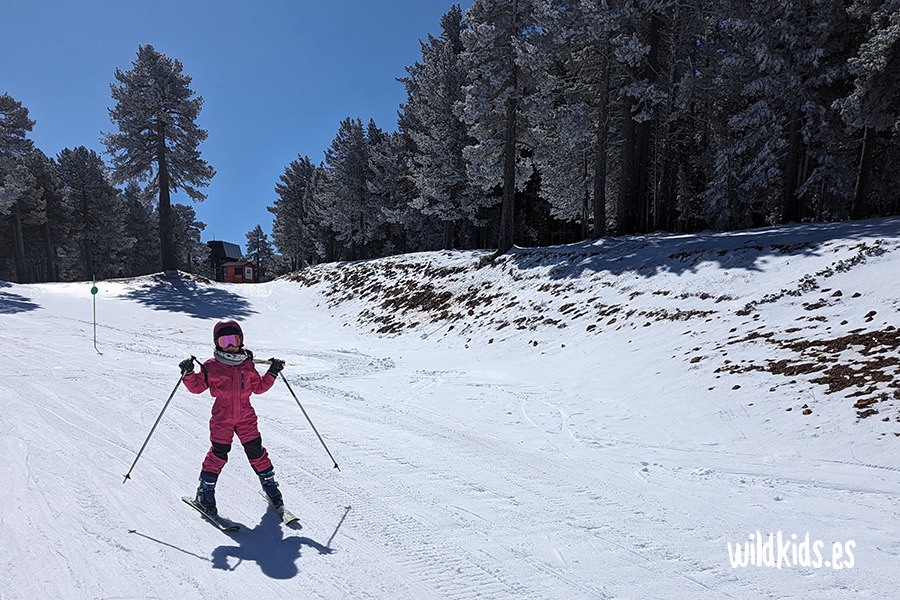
(287, 517)
(217, 520)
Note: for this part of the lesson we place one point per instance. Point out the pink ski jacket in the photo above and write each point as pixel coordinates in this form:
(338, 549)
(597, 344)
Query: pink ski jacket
(231, 386)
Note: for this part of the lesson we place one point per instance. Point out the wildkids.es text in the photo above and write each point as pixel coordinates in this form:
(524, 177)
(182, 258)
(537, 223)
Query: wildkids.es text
(783, 551)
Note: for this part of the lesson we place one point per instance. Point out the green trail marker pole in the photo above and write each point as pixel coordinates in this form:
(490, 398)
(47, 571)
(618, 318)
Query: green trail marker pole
(94, 294)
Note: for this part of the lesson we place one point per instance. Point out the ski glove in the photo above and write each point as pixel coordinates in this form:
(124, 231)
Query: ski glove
(187, 366)
(275, 366)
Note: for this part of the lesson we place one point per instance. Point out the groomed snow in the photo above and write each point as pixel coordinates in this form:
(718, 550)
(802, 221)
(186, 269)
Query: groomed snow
(590, 421)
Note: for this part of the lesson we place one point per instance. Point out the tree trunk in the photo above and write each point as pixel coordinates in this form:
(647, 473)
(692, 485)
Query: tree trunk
(448, 235)
(167, 246)
(600, 153)
(507, 212)
(635, 144)
(627, 201)
(21, 266)
(508, 207)
(644, 130)
(642, 199)
(585, 209)
(667, 156)
(790, 203)
(50, 258)
(87, 257)
(863, 175)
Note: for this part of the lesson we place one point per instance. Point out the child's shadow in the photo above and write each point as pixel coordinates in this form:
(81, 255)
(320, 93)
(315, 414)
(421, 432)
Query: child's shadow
(266, 545)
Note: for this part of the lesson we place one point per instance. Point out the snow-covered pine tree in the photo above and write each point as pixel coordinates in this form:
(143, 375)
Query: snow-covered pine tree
(141, 223)
(345, 189)
(290, 228)
(260, 251)
(493, 93)
(398, 227)
(320, 243)
(636, 54)
(872, 109)
(17, 183)
(25, 209)
(186, 230)
(780, 64)
(98, 242)
(828, 155)
(376, 230)
(158, 138)
(432, 119)
(680, 153)
(569, 61)
(14, 127)
(48, 226)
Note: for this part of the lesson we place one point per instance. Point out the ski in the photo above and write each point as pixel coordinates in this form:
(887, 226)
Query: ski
(220, 522)
(287, 517)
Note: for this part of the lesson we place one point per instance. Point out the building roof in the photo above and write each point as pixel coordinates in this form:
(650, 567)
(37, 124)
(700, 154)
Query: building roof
(238, 263)
(224, 250)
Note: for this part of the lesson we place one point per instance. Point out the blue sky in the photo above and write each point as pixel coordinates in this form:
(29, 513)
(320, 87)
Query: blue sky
(277, 77)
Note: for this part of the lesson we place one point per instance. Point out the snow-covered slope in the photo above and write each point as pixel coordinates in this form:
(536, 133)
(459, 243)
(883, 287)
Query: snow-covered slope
(598, 420)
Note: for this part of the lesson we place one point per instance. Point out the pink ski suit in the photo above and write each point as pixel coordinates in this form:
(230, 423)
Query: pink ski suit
(232, 413)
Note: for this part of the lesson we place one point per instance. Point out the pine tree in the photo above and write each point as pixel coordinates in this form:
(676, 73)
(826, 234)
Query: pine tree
(50, 222)
(291, 229)
(392, 193)
(345, 189)
(872, 109)
(682, 158)
(492, 102)
(320, 241)
(186, 230)
(99, 243)
(14, 127)
(17, 183)
(570, 60)
(432, 119)
(636, 52)
(260, 251)
(156, 114)
(776, 136)
(26, 210)
(142, 224)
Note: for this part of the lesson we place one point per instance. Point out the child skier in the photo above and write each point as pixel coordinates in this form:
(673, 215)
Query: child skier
(231, 378)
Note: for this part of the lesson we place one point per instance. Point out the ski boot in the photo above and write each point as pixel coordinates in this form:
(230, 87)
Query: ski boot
(270, 487)
(206, 492)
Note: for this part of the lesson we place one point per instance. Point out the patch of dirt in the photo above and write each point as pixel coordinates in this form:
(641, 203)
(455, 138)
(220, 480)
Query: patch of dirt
(863, 362)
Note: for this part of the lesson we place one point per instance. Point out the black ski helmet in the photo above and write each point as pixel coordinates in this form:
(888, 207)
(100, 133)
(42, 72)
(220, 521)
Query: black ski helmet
(226, 328)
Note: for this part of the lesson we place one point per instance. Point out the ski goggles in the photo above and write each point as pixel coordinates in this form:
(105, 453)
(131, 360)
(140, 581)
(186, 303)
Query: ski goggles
(223, 341)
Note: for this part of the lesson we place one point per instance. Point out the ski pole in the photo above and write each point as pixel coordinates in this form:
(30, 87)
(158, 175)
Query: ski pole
(310, 421)
(172, 395)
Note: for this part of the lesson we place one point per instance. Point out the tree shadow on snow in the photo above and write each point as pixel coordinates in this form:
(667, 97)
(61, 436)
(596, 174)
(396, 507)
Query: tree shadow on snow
(13, 303)
(266, 545)
(649, 255)
(179, 293)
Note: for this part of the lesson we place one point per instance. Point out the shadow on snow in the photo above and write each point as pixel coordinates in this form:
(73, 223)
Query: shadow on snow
(13, 303)
(652, 254)
(266, 545)
(184, 295)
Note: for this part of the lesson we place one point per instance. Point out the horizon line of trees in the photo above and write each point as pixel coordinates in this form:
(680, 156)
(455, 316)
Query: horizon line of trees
(527, 122)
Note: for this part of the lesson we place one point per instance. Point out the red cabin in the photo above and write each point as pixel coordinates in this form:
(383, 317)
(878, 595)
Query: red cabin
(239, 272)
